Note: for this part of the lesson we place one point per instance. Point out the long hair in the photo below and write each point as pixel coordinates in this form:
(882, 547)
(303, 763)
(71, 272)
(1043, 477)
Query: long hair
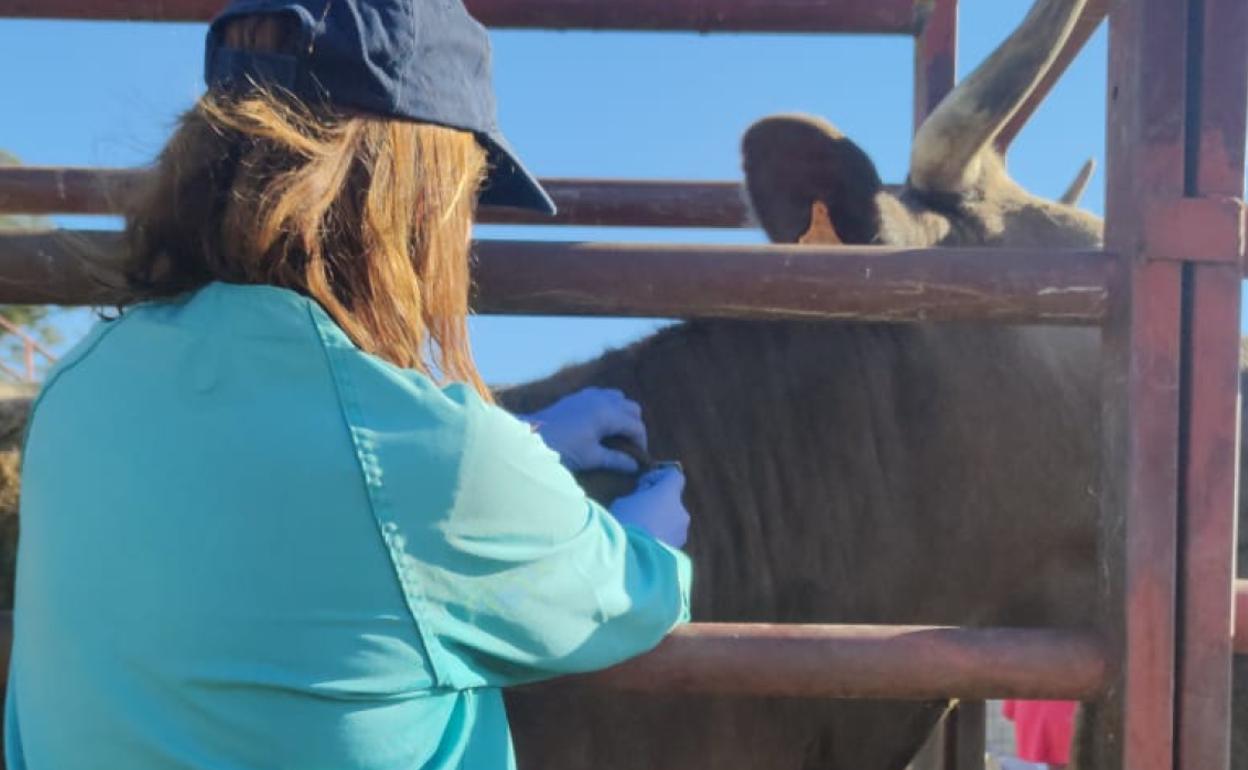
(370, 217)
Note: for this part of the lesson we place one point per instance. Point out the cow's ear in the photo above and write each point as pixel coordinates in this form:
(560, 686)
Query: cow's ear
(793, 162)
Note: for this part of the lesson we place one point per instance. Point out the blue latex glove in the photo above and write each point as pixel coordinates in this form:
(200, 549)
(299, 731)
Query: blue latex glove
(575, 426)
(656, 507)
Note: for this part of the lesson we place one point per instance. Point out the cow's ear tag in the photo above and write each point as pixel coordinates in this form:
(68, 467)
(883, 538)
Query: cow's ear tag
(821, 232)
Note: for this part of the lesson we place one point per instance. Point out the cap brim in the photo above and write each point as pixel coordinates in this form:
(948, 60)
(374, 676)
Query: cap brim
(508, 182)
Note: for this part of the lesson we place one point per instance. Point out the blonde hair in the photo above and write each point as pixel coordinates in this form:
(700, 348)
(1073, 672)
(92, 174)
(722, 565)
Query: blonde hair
(369, 216)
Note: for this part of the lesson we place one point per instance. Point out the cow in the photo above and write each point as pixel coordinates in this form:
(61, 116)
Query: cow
(861, 473)
(858, 473)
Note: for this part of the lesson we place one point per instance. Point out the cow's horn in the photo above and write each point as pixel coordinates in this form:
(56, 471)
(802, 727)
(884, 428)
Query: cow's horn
(946, 150)
(1080, 184)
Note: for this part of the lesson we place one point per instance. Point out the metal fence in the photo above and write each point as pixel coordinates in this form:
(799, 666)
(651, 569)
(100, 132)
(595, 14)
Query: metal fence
(1166, 292)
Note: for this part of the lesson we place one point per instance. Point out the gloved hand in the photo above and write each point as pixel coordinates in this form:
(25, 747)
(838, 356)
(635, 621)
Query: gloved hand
(656, 508)
(575, 426)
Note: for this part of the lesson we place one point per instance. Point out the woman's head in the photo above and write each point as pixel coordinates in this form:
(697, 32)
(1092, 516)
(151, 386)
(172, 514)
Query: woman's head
(275, 178)
(370, 217)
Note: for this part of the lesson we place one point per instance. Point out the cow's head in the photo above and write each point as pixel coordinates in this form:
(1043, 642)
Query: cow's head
(807, 182)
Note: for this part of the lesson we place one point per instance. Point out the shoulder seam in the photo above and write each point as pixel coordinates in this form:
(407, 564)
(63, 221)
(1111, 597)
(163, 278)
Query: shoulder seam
(387, 529)
(66, 366)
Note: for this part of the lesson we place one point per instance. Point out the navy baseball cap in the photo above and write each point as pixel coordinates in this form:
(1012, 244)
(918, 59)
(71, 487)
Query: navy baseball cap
(422, 60)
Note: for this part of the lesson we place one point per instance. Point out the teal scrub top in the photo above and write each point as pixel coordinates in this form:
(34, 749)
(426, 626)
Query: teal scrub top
(248, 545)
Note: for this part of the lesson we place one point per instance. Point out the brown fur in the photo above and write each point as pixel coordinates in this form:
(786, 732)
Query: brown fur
(853, 474)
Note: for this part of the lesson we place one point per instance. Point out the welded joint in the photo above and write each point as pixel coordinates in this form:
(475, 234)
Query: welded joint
(923, 10)
(1207, 229)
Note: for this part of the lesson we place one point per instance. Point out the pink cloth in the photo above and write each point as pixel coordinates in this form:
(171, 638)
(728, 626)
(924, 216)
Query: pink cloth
(1043, 729)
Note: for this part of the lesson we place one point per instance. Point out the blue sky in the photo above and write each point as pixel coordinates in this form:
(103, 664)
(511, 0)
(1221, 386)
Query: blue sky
(574, 104)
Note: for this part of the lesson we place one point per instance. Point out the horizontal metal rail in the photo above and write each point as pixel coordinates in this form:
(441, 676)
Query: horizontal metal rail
(893, 662)
(896, 662)
(65, 190)
(681, 281)
(612, 202)
(635, 203)
(770, 282)
(903, 17)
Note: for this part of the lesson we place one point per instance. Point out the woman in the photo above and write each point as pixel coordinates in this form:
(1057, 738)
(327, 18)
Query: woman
(258, 529)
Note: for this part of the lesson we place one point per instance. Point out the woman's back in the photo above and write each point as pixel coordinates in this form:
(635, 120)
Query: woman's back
(236, 588)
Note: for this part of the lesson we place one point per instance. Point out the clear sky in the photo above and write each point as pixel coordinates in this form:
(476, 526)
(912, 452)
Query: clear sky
(575, 104)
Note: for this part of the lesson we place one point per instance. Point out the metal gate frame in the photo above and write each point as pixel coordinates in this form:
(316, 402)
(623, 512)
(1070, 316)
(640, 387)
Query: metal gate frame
(1165, 292)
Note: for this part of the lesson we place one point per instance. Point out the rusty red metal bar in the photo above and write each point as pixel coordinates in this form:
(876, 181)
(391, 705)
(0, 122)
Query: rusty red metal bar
(895, 662)
(681, 281)
(1219, 146)
(768, 282)
(1093, 14)
(635, 203)
(1214, 165)
(1140, 365)
(898, 662)
(613, 202)
(935, 58)
(1143, 358)
(1196, 229)
(858, 16)
(61, 190)
(1207, 516)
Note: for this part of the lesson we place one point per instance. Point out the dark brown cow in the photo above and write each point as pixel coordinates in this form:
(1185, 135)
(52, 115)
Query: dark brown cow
(846, 474)
(861, 473)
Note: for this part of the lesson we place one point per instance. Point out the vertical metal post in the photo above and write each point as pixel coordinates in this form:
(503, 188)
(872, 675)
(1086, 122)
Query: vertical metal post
(1207, 521)
(1133, 725)
(966, 736)
(935, 58)
(1217, 100)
